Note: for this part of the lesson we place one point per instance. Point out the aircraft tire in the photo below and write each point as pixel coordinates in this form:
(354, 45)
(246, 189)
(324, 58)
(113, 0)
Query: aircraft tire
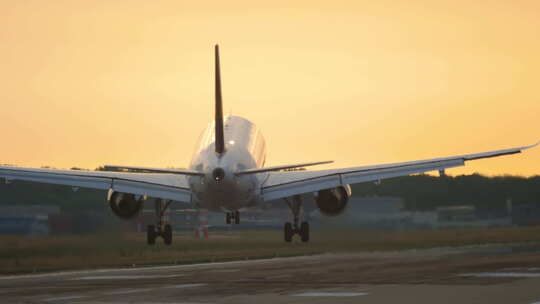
(167, 234)
(288, 233)
(304, 231)
(228, 218)
(237, 217)
(151, 235)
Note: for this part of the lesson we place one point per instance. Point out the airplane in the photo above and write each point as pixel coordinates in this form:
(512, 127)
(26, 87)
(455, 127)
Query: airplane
(227, 174)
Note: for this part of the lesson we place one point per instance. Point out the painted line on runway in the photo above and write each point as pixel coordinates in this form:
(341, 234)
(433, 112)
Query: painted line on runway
(127, 291)
(130, 291)
(154, 268)
(502, 275)
(150, 268)
(127, 277)
(522, 269)
(64, 298)
(281, 276)
(187, 285)
(330, 294)
(224, 270)
(145, 302)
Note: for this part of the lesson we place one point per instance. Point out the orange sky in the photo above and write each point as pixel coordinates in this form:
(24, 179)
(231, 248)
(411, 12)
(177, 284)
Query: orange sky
(87, 83)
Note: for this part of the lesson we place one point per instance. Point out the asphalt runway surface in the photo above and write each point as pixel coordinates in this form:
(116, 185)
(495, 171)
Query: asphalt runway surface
(476, 274)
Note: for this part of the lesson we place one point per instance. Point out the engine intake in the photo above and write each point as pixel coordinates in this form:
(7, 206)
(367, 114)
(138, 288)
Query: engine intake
(332, 202)
(125, 205)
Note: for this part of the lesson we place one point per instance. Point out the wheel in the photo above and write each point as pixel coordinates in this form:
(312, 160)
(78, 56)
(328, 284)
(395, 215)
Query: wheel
(228, 218)
(151, 234)
(237, 217)
(304, 231)
(288, 233)
(167, 235)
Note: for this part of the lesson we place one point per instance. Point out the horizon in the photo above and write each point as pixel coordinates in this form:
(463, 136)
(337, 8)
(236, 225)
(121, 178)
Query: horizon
(429, 173)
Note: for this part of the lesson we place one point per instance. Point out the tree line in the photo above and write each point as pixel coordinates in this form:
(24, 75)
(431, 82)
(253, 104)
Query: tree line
(426, 192)
(420, 192)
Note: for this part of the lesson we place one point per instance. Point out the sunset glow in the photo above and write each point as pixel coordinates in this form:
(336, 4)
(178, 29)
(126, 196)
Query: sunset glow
(88, 83)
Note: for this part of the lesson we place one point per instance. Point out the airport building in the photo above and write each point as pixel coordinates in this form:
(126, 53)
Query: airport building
(30, 220)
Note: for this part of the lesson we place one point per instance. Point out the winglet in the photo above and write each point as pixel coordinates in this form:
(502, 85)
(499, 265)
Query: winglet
(219, 132)
(498, 152)
(531, 146)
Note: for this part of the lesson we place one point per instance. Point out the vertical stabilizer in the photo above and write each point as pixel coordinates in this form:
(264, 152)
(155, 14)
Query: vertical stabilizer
(220, 136)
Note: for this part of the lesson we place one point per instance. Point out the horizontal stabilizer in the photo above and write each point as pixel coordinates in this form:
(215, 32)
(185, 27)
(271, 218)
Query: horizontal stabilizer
(278, 168)
(153, 170)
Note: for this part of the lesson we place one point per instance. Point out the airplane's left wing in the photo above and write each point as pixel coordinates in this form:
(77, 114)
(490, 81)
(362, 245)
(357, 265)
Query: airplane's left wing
(159, 185)
(285, 184)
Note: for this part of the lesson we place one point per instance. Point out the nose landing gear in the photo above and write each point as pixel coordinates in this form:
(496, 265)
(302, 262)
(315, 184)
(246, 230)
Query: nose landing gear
(160, 229)
(232, 217)
(291, 229)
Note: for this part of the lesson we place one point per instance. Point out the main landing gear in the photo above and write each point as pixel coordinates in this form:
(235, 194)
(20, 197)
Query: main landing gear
(295, 204)
(232, 217)
(160, 229)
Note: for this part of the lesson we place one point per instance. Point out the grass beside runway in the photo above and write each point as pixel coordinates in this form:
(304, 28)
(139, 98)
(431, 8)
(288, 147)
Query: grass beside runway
(41, 254)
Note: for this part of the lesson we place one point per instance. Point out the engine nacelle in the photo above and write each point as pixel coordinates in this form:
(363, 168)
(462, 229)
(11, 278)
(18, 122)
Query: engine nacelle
(332, 202)
(125, 205)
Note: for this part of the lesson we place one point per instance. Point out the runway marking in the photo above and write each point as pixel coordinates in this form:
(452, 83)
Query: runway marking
(64, 298)
(281, 276)
(225, 270)
(130, 291)
(330, 294)
(124, 302)
(502, 275)
(188, 285)
(152, 268)
(514, 269)
(127, 291)
(127, 277)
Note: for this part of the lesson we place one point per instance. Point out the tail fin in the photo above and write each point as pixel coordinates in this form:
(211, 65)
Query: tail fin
(220, 136)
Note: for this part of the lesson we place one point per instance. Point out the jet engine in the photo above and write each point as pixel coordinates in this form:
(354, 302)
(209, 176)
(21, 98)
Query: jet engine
(332, 202)
(125, 205)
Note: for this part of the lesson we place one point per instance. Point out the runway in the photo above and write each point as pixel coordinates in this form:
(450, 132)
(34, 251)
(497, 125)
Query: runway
(477, 274)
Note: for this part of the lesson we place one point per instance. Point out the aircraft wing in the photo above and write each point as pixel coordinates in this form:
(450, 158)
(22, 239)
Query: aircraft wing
(285, 184)
(158, 185)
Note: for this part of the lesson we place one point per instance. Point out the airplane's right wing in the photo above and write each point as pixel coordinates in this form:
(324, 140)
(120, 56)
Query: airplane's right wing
(285, 184)
(158, 185)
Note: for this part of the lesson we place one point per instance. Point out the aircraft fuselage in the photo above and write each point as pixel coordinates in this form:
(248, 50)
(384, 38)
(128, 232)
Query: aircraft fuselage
(220, 189)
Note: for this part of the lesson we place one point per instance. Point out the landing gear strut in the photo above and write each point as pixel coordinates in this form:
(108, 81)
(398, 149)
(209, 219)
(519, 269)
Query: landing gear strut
(295, 204)
(160, 229)
(231, 217)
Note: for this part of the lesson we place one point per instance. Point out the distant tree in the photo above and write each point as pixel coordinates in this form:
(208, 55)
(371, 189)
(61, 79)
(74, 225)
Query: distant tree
(425, 192)
(77, 168)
